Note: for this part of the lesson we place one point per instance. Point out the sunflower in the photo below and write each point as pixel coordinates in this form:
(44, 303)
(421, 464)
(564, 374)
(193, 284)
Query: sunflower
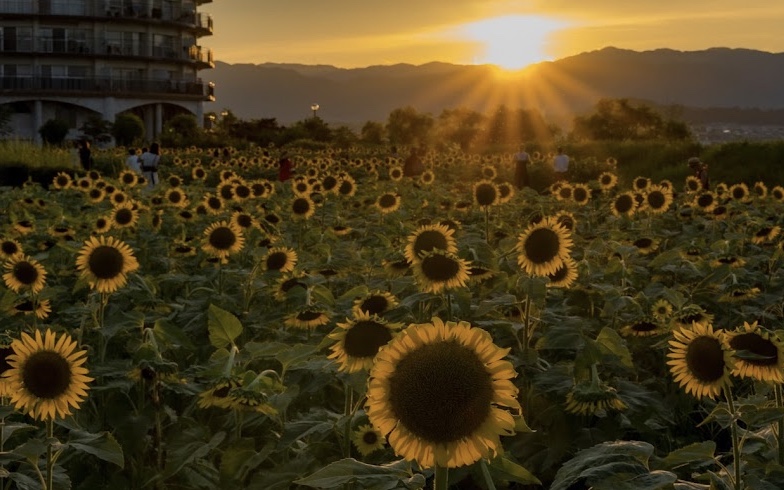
(661, 310)
(396, 173)
(506, 192)
(701, 360)
(759, 354)
(9, 247)
(24, 226)
(645, 327)
(777, 193)
(62, 181)
(303, 207)
(128, 178)
(732, 261)
(300, 188)
(225, 190)
(24, 272)
(198, 173)
(737, 294)
(543, 247)
(281, 259)
(217, 395)
(658, 199)
(489, 172)
(766, 234)
(124, 216)
(428, 238)
(176, 197)
(174, 180)
(388, 202)
(95, 195)
(105, 262)
(307, 319)
(347, 187)
(565, 274)
(645, 245)
(581, 194)
(427, 177)
(41, 309)
(739, 192)
(358, 340)
(692, 314)
(693, 184)
(563, 191)
(223, 239)
(607, 180)
(486, 193)
(587, 398)
(760, 189)
(367, 439)
(624, 204)
(375, 303)
(438, 271)
(641, 184)
(101, 225)
(46, 377)
(440, 392)
(287, 283)
(396, 268)
(478, 274)
(706, 201)
(118, 197)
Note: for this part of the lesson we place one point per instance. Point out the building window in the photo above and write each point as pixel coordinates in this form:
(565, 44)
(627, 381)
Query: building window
(16, 39)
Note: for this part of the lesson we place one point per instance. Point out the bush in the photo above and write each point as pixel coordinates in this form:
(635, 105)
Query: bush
(127, 129)
(54, 131)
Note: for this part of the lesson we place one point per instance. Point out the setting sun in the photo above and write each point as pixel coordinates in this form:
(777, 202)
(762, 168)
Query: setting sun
(513, 41)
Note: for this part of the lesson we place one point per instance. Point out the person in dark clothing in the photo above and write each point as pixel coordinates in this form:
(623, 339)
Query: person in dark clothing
(85, 155)
(286, 168)
(521, 169)
(700, 170)
(413, 165)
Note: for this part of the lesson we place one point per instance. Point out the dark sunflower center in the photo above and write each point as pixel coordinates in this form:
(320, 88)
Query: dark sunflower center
(370, 437)
(214, 203)
(307, 316)
(485, 195)
(579, 194)
(106, 262)
(300, 206)
(221, 392)
(101, 223)
(128, 178)
(705, 200)
(643, 242)
(46, 374)
(559, 274)
(175, 197)
(738, 193)
(9, 248)
(346, 187)
(656, 199)
(387, 201)
(288, 284)
(440, 268)
(644, 327)
(277, 260)
(96, 193)
(365, 337)
(624, 204)
(763, 232)
(565, 192)
(441, 392)
(242, 191)
(606, 180)
(641, 183)
(766, 351)
(705, 359)
(62, 181)
(375, 305)
(272, 219)
(566, 221)
(123, 216)
(226, 191)
(244, 220)
(174, 181)
(223, 238)
(692, 184)
(430, 240)
(542, 246)
(329, 183)
(25, 306)
(25, 272)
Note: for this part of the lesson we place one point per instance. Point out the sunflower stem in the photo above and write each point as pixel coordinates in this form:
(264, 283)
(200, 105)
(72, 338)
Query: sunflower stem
(49, 458)
(780, 435)
(441, 478)
(448, 306)
(486, 474)
(487, 224)
(348, 412)
(737, 482)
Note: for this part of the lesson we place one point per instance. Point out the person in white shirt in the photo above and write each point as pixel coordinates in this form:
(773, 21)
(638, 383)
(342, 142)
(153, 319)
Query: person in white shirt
(561, 165)
(521, 168)
(133, 162)
(149, 161)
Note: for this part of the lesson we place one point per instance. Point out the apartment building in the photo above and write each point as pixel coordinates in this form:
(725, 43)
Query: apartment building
(70, 59)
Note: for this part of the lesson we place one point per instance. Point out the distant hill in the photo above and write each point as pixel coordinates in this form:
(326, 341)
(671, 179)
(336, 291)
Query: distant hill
(718, 82)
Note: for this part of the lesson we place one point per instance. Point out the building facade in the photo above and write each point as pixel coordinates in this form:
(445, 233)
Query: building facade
(73, 59)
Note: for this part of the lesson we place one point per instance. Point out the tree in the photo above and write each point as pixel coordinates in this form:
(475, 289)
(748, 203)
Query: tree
(459, 126)
(406, 126)
(372, 133)
(621, 120)
(54, 131)
(127, 129)
(181, 130)
(5, 120)
(97, 128)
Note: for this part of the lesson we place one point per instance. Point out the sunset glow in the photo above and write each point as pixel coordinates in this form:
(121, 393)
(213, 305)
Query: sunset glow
(513, 41)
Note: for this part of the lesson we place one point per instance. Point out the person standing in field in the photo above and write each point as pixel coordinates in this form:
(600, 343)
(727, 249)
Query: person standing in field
(561, 165)
(286, 167)
(133, 162)
(85, 155)
(521, 168)
(149, 161)
(413, 165)
(700, 170)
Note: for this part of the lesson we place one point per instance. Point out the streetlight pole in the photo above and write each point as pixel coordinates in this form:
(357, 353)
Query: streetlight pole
(314, 107)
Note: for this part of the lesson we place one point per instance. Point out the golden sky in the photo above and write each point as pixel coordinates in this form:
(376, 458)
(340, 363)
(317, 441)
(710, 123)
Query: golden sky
(358, 33)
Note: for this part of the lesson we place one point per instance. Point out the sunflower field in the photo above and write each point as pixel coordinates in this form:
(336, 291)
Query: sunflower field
(352, 328)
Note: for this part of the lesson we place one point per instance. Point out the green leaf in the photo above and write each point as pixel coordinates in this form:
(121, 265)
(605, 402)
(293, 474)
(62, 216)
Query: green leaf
(717, 482)
(234, 457)
(502, 468)
(166, 333)
(349, 470)
(295, 354)
(103, 446)
(223, 327)
(612, 342)
(699, 452)
(655, 480)
(31, 450)
(600, 463)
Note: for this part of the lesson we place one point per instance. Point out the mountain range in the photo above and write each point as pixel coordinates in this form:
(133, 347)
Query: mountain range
(722, 82)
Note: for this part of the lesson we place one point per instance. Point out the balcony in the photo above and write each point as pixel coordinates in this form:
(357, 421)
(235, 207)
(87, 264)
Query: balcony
(105, 86)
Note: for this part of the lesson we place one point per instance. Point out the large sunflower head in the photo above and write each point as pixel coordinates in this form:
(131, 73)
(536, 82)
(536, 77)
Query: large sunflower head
(607, 180)
(581, 194)
(358, 340)
(760, 190)
(739, 192)
(128, 178)
(766, 234)
(543, 247)
(105, 262)
(624, 204)
(428, 238)
(375, 303)
(705, 201)
(124, 216)
(176, 197)
(281, 259)
(9, 247)
(24, 273)
(438, 271)
(303, 207)
(486, 193)
(658, 199)
(759, 354)
(640, 184)
(701, 360)
(441, 394)
(46, 375)
(388, 202)
(222, 239)
(565, 274)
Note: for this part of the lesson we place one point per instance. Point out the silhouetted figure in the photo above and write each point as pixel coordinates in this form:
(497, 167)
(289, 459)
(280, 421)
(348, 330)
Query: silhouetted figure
(85, 155)
(521, 168)
(561, 165)
(413, 165)
(700, 170)
(286, 167)
(150, 160)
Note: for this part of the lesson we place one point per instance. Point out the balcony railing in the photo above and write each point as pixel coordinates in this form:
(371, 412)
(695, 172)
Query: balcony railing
(50, 45)
(105, 86)
(124, 11)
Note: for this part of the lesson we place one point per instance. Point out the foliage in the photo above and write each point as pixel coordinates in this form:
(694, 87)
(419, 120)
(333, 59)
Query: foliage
(127, 129)
(407, 126)
(54, 131)
(180, 131)
(372, 133)
(97, 129)
(5, 120)
(622, 120)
